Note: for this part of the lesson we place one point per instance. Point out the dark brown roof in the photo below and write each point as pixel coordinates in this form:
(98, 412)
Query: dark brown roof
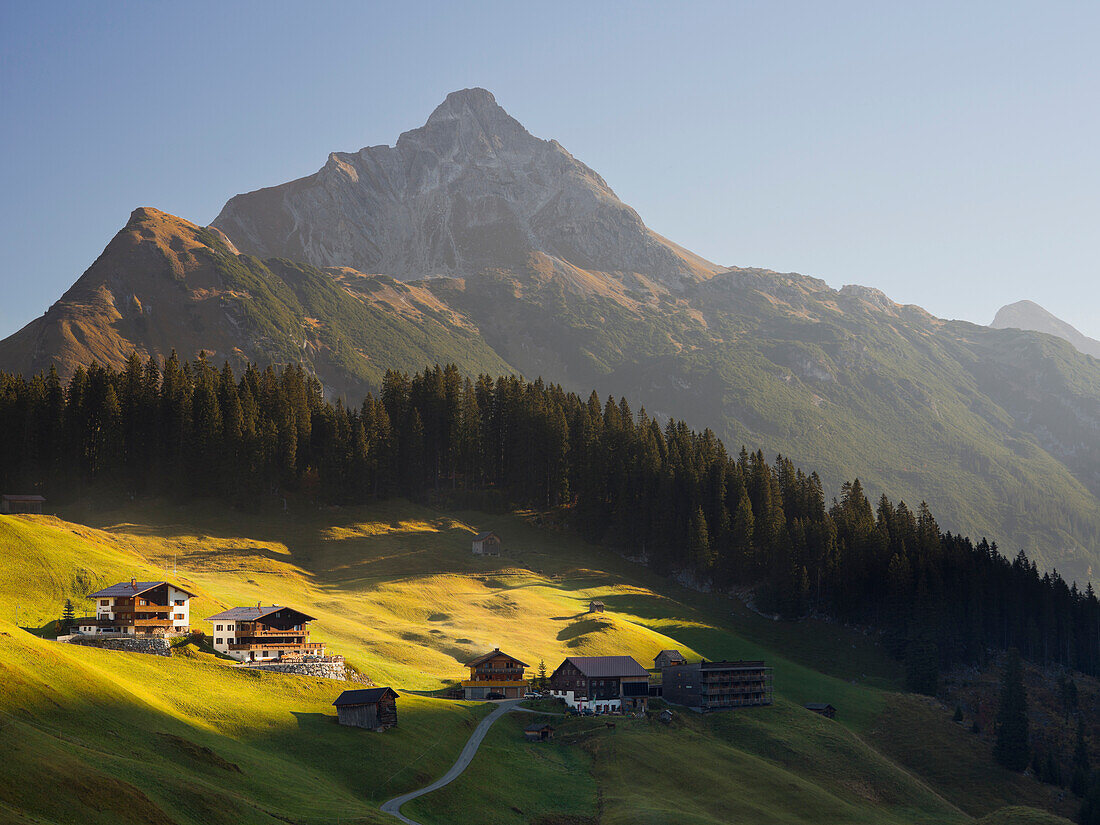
(538, 726)
(596, 667)
(251, 614)
(673, 653)
(738, 665)
(128, 589)
(485, 535)
(27, 499)
(364, 696)
(818, 706)
(493, 654)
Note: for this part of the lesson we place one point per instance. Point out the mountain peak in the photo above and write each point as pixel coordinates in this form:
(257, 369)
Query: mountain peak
(1030, 316)
(469, 191)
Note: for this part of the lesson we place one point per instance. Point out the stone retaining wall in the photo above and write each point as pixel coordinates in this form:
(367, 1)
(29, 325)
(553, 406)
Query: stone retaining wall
(153, 645)
(319, 670)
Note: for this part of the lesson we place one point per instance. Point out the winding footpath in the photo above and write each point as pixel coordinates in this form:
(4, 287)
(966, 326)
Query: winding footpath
(393, 806)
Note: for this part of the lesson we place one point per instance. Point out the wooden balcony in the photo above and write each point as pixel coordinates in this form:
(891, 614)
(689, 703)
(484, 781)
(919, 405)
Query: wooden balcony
(304, 648)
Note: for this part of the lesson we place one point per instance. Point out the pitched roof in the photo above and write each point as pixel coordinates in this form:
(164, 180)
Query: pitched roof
(673, 653)
(595, 667)
(251, 614)
(817, 706)
(539, 726)
(491, 655)
(128, 589)
(363, 696)
(485, 535)
(17, 497)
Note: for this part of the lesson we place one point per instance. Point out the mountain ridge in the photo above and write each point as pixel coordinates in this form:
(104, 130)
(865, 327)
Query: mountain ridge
(999, 429)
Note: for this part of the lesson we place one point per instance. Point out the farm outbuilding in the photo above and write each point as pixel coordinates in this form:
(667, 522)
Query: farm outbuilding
(822, 708)
(11, 503)
(486, 544)
(538, 732)
(370, 708)
(596, 607)
(668, 658)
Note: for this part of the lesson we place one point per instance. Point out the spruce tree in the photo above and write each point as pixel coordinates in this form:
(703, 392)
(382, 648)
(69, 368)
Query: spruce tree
(1011, 749)
(68, 615)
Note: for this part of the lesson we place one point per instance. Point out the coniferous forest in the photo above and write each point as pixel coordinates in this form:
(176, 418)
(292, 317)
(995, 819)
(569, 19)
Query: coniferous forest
(663, 492)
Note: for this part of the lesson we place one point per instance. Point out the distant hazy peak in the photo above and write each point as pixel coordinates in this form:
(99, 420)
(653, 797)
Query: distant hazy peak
(1029, 315)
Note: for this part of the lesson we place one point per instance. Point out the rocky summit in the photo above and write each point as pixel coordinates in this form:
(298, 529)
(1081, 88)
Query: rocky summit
(468, 191)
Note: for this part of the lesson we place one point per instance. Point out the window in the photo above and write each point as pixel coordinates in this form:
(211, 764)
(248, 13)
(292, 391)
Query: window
(104, 602)
(267, 653)
(229, 627)
(178, 616)
(218, 627)
(217, 641)
(179, 602)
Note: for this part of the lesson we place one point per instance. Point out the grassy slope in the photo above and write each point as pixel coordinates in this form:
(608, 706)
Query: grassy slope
(397, 591)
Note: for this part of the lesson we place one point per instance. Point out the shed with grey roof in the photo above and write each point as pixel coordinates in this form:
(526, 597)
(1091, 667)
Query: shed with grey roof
(370, 708)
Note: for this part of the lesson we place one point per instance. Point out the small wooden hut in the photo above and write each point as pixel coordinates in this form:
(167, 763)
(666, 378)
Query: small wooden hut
(370, 708)
(11, 503)
(595, 606)
(823, 708)
(486, 544)
(538, 732)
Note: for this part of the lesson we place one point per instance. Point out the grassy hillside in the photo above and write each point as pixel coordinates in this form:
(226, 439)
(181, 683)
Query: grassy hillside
(191, 739)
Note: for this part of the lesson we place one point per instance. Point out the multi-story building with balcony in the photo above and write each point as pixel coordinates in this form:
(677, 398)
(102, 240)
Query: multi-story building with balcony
(495, 673)
(717, 685)
(139, 608)
(264, 634)
(602, 684)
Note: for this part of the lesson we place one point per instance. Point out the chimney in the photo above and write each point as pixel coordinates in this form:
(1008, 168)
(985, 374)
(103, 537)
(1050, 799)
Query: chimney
(133, 584)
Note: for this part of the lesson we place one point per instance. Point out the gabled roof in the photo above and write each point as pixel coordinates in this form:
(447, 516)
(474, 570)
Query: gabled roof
(818, 706)
(23, 498)
(596, 667)
(538, 726)
(675, 654)
(251, 614)
(127, 589)
(492, 655)
(485, 535)
(364, 696)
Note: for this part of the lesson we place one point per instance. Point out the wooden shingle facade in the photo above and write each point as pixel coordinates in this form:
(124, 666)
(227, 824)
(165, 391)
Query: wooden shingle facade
(369, 708)
(711, 686)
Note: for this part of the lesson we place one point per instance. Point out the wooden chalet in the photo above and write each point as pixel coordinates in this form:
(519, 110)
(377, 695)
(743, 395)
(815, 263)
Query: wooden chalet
(596, 607)
(12, 503)
(668, 658)
(823, 708)
(264, 634)
(711, 686)
(601, 684)
(486, 544)
(495, 672)
(140, 609)
(538, 732)
(370, 708)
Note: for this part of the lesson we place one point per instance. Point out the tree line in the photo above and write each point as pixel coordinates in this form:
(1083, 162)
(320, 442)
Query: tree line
(660, 491)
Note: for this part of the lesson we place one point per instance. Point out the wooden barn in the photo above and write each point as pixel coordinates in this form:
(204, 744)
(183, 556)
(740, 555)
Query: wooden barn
(370, 708)
(822, 708)
(538, 732)
(11, 503)
(486, 544)
(596, 607)
(668, 658)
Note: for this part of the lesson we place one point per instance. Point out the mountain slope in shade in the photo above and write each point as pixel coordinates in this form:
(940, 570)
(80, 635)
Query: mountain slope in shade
(469, 190)
(164, 283)
(1029, 315)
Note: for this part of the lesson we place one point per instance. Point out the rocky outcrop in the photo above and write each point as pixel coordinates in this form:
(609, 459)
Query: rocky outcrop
(328, 668)
(468, 191)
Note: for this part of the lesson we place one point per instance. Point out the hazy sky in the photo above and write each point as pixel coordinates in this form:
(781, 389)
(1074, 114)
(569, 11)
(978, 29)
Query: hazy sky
(948, 154)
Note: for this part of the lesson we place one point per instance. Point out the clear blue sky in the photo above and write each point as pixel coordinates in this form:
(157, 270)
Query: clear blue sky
(947, 153)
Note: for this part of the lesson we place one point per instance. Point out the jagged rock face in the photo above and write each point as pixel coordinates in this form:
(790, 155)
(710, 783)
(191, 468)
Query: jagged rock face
(1029, 315)
(469, 190)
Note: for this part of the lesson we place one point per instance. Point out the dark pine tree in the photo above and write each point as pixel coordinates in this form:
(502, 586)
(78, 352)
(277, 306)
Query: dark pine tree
(1011, 749)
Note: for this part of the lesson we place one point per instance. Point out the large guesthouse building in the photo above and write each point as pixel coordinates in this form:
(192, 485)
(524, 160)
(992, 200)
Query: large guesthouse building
(717, 685)
(263, 634)
(495, 673)
(601, 684)
(139, 609)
